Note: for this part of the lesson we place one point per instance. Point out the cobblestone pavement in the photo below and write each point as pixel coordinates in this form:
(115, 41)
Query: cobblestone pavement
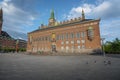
(84, 67)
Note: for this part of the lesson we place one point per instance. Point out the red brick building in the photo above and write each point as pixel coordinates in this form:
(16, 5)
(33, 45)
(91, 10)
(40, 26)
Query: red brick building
(75, 35)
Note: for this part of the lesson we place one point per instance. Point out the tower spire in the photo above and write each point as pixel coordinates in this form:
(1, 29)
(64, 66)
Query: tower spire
(52, 14)
(52, 18)
(1, 19)
(83, 15)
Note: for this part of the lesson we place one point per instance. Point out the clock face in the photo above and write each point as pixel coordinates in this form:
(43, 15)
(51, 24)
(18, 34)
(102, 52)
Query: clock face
(51, 20)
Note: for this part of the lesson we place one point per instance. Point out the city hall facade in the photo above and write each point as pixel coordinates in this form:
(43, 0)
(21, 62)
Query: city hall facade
(74, 35)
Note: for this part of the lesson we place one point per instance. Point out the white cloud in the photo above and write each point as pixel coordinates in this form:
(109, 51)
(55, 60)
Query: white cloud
(103, 10)
(7, 0)
(102, 7)
(106, 9)
(110, 29)
(76, 12)
(15, 19)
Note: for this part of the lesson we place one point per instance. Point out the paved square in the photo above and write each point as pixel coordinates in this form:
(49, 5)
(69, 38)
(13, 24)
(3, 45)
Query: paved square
(84, 67)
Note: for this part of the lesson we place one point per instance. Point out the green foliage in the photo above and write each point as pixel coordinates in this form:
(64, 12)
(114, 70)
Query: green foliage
(112, 47)
(22, 49)
(40, 52)
(7, 49)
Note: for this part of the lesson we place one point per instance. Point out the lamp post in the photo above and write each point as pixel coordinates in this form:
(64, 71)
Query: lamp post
(17, 42)
(102, 39)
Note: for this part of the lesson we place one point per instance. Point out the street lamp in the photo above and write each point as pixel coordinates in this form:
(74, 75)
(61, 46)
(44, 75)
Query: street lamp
(17, 42)
(102, 39)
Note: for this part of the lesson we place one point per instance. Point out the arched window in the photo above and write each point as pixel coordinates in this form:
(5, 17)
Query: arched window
(90, 32)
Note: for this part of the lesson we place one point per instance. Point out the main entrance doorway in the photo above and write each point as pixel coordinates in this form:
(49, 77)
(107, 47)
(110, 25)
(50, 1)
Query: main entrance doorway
(53, 48)
(53, 45)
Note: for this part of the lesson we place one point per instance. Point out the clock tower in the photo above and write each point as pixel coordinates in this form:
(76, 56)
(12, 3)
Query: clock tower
(1, 19)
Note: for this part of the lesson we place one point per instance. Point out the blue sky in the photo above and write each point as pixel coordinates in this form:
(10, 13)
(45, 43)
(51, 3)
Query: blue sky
(23, 16)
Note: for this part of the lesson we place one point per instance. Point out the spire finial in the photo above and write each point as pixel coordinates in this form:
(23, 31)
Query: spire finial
(83, 15)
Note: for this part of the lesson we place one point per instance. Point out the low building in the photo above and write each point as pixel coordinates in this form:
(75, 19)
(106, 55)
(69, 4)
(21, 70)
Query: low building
(10, 44)
(21, 43)
(6, 41)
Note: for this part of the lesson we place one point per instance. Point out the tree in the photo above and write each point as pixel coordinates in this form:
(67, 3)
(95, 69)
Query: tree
(112, 47)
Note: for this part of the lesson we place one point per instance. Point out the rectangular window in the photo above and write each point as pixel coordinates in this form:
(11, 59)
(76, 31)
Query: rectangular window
(46, 38)
(78, 47)
(67, 35)
(43, 38)
(72, 42)
(62, 36)
(83, 34)
(83, 41)
(78, 35)
(57, 38)
(83, 46)
(39, 38)
(62, 42)
(78, 41)
(72, 35)
(67, 42)
(62, 47)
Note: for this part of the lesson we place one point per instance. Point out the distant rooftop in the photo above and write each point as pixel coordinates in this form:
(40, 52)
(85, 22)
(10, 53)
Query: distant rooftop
(5, 35)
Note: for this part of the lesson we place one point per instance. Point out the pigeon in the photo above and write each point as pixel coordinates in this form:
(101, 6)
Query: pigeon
(109, 62)
(95, 61)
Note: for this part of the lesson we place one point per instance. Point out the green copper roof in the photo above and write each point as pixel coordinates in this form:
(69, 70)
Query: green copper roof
(52, 14)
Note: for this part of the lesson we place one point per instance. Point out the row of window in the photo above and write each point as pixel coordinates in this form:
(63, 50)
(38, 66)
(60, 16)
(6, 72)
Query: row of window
(62, 36)
(72, 42)
(48, 38)
(70, 35)
(72, 47)
(65, 48)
